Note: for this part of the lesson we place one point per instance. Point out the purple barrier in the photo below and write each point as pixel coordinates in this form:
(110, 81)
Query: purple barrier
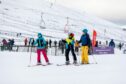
(103, 50)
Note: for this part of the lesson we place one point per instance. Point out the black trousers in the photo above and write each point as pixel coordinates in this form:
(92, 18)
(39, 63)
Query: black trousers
(70, 48)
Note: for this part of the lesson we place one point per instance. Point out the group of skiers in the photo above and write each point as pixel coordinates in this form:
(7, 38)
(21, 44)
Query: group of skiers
(7, 45)
(69, 46)
(30, 42)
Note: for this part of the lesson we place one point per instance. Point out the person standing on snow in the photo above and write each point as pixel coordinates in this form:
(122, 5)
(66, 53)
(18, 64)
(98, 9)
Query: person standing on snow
(120, 45)
(41, 47)
(25, 41)
(86, 43)
(50, 43)
(112, 43)
(70, 47)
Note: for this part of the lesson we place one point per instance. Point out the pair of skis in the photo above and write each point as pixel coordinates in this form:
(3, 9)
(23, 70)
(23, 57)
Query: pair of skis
(78, 64)
(67, 64)
(39, 65)
(51, 64)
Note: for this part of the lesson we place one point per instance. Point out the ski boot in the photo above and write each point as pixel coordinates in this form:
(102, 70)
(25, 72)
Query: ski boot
(48, 63)
(75, 62)
(39, 63)
(67, 63)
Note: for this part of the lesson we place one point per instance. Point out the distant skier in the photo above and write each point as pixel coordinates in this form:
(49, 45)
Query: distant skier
(50, 43)
(32, 43)
(86, 43)
(4, 44)
(41, 47)
(112, 43)
(30, 40)
(61, 46)
(70, 47)
(96, 45)
(26, 41)
(10, 44)
(106, 43)
(47, 46)
(120, 46)
(55, 43)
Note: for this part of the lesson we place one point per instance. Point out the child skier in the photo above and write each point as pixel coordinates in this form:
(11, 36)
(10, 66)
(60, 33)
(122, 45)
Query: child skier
(41, 47)
(70, 47)
(86, 43)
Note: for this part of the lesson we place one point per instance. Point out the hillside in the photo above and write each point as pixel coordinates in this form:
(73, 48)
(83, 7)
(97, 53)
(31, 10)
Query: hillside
(25, 18)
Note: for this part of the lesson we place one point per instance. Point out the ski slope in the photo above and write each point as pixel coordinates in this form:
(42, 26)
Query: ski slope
(29, 17)
(109, 70)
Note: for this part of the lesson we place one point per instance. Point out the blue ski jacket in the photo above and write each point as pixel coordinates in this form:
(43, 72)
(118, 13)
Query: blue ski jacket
(40, 42)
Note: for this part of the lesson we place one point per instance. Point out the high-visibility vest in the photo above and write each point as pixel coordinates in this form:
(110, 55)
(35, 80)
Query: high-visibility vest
(69, 40)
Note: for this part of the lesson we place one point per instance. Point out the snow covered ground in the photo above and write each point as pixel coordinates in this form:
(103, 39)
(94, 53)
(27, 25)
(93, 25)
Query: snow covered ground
(25, 17)
(109, 70)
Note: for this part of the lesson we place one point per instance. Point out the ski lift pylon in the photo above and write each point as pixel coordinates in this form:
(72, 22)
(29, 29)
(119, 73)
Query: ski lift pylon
(52, 2)
(66, 28)
(42, 22)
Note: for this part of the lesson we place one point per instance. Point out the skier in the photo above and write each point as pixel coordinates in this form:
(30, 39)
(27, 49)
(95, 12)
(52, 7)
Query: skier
(106, 43)
(25, 41)
(30, 40)
(32, 43)
(120, 45)
(96, 45)
(41, 47)
(4, 44)
(50, 43)
(55, 43)
(62, 47)
(112, 43)
(10, 44)
(86, 43)
(47, 44)
(70, 47)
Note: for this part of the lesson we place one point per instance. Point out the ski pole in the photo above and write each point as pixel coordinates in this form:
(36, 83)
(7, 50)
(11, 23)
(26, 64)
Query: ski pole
(93, 56)
(30, 57)
(94, 59)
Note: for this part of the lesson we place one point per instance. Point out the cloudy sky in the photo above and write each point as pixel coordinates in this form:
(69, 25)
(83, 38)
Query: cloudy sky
(113, 10)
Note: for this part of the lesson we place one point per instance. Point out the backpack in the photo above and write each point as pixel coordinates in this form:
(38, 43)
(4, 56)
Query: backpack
(40, 42)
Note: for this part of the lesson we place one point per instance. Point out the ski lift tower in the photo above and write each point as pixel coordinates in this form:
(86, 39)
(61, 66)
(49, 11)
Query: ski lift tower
(66, 28)
(52, 2)
(42, 22)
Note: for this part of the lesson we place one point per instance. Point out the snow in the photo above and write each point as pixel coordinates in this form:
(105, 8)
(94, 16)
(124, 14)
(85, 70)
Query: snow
(109, 70)
(24, 16)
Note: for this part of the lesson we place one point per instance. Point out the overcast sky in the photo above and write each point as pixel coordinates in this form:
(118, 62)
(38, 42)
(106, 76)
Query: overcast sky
(113, 10)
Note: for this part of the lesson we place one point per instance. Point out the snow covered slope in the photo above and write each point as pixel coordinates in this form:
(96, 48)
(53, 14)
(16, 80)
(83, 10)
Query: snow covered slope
(109, 70)
(28, 17)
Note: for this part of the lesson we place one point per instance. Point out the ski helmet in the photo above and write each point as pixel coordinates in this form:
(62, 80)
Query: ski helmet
(39, 35)
(71, 34)
(85, 30)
